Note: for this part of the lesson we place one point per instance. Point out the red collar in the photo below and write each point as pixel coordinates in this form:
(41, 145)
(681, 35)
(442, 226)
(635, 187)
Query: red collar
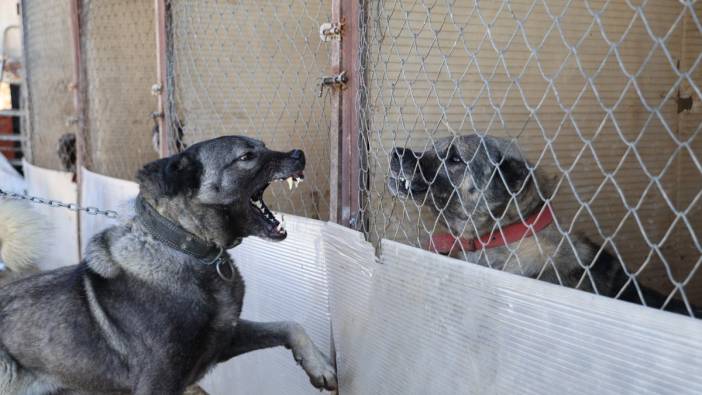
(444, 243)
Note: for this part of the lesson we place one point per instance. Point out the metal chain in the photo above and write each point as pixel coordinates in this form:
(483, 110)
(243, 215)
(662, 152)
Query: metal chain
(55, 203)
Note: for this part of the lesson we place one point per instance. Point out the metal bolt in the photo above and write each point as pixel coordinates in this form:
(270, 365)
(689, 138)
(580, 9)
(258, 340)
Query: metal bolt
(156, 89)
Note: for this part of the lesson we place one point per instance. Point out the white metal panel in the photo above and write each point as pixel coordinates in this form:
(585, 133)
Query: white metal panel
(350, 264)
(284, 281)
(440, 326)
(56, 185)
(105, 193)
(10, 179)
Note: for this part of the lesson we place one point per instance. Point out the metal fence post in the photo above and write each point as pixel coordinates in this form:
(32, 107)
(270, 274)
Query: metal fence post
(77, 89)
(26, 125)
(345, 178)
(79, 117)
(162, 110)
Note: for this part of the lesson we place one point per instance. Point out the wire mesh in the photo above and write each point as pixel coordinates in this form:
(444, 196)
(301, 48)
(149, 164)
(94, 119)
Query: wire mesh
(49, 73)
(600, 100)
(253, 68)
(118, 50)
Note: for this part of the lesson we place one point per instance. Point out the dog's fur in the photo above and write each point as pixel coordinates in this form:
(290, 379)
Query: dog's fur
(476, 185)
(136, 316)
(23, 238)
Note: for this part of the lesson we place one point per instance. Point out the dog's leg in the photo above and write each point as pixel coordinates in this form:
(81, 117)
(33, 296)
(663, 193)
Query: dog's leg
(157, 380)
(251, 336)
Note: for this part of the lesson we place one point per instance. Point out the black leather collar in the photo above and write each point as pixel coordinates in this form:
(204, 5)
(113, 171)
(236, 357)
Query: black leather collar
(174, 236)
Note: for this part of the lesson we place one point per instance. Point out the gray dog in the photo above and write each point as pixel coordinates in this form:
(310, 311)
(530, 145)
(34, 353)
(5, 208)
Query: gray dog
(492, 200)
(156, 301)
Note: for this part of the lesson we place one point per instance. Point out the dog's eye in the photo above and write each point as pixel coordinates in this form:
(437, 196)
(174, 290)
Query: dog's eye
(246, 156)
(456, 158)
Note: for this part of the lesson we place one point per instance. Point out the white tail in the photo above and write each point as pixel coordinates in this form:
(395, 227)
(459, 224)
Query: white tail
(23, 235)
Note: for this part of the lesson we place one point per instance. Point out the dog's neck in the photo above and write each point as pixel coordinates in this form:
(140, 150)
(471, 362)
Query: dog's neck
(173, 215)
(486, 217)
(446, 243)
(173, 234)
(209, 224)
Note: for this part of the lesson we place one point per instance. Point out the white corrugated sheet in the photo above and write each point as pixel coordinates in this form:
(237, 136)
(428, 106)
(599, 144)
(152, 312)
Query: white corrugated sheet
(10, 179)
(56, 185)
(105, 193)
(441, 326)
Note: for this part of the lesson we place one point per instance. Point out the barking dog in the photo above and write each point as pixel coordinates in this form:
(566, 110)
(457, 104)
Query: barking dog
(156, 301)
(483, 189)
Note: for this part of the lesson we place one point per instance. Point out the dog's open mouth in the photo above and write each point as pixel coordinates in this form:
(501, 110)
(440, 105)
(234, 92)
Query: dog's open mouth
(274, 227)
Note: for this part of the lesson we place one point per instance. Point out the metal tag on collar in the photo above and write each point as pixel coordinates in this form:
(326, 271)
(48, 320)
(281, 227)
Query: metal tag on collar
(220, 261)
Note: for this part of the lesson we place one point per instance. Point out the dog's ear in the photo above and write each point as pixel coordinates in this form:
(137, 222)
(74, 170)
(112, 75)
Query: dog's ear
(177, 174)
(512, 168)
(515, 173)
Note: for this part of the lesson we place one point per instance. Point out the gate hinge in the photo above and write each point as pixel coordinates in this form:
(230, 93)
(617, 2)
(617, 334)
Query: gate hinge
(338, 80)
(330, 31)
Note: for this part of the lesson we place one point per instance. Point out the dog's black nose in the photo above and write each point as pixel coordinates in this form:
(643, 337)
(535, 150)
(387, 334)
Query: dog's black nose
(297, 154)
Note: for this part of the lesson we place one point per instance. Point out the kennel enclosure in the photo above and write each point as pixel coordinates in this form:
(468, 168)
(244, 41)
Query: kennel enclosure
(601, 97)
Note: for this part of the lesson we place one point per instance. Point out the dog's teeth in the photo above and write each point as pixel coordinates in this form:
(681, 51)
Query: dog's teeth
(290, 182)
(297, 181)
(407, 184)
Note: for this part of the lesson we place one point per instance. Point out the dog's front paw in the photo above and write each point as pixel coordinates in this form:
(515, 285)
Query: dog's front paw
(316, 365)
(318, 368)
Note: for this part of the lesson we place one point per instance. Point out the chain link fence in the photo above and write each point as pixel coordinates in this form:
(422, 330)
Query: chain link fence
(49, 74)
(118, 50)
(602, 99)
(253, 68)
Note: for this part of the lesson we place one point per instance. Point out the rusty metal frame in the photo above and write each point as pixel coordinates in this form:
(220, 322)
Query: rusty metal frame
(26, 126)
(345, 150)
(163, 109)
(77, 89)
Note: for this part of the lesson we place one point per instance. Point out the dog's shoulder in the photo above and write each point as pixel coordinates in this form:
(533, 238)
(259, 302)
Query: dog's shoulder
(98, 253)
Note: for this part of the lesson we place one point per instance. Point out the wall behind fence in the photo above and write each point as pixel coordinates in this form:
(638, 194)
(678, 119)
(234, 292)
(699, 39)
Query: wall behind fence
(589, 91)
(253, 68)
(49, 73)
(118, 47)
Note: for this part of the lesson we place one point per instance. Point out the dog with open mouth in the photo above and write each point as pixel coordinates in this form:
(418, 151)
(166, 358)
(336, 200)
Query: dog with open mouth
(156, 301)
(493, 203)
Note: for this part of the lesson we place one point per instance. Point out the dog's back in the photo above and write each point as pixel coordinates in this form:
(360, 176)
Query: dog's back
(613, 281)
